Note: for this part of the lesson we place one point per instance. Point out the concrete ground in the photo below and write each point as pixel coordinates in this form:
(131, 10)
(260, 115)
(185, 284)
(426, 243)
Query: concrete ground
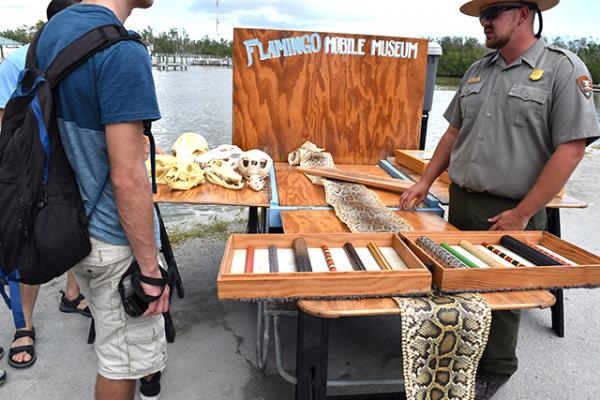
(213, 356)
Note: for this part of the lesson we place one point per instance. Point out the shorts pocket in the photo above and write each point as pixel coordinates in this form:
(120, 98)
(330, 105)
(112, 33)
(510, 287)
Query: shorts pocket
(146, 344)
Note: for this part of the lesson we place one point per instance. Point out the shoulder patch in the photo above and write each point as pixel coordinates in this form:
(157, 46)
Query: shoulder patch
(585, 84)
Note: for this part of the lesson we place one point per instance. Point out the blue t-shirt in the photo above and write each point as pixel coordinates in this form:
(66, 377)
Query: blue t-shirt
(10, 69)
(114, 86)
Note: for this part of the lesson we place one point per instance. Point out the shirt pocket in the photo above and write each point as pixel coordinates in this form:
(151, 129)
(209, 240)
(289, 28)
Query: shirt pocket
(526, 104)
(469, 99)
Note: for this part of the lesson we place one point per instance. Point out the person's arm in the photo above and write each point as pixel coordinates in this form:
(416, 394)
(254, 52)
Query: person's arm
(133, 197)
(553, 177)
(438, 164)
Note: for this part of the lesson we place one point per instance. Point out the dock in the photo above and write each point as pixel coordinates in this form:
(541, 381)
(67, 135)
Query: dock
(180, 62)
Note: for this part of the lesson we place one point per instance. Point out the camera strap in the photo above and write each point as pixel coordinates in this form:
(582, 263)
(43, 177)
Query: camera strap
(137, 279)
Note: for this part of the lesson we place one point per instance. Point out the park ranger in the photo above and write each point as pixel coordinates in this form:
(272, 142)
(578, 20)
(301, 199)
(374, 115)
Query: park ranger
(519, 125)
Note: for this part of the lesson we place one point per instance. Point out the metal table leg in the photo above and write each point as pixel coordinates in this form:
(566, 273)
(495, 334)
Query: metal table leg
(311, 359)
(253, 220)
(558, 309)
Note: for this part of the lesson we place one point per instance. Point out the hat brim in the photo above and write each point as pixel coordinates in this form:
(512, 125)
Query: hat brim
(473, 8)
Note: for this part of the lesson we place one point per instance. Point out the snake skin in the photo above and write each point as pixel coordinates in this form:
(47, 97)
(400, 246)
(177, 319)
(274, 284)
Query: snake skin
(439, 254)
(361, 209)
(355, 205)
(443, 338)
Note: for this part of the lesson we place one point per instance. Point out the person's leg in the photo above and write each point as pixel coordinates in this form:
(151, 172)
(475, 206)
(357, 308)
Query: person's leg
(127, 348)
(72, 300)
(111, 389)
(28, 297)
(72, 290)
(470, 211)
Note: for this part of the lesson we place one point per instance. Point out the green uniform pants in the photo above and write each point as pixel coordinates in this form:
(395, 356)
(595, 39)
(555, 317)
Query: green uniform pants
(470, 211)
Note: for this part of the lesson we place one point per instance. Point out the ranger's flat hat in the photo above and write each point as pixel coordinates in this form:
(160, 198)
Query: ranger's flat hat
(473, 8)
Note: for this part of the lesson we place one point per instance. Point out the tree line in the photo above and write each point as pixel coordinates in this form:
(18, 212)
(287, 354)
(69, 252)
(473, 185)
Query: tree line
(170, 42)
(458, 52)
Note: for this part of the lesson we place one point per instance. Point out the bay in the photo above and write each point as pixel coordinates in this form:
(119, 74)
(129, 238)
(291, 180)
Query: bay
(200, 100)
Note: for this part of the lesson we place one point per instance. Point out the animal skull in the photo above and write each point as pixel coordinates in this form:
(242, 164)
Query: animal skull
(226, 152)
(163, 164)
(256, 182)
(297, 156)
(255, 162)
(220, 173)
(189, 146)
(184, 175)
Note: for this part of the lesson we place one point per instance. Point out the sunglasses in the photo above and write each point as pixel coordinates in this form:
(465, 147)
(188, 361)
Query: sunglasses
(493, 12)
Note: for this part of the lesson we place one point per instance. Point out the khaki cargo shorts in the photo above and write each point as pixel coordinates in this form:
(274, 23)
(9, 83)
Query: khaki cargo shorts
(127, 347)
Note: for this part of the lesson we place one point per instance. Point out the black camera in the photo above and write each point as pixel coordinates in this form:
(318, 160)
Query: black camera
(135, 300)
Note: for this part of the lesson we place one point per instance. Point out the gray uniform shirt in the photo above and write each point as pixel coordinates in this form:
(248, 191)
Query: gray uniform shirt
(511, 118)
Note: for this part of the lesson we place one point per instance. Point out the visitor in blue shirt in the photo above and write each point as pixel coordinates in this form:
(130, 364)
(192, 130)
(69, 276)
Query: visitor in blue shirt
(100, 109)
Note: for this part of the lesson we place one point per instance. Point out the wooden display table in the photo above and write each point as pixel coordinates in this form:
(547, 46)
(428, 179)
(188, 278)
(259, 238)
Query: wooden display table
(210, 194)
(295, 189)
(304, 221)
(440, 190)
(314, 315)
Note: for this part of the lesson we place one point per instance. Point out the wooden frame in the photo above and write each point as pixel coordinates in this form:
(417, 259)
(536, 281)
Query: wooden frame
(414, 280)
(585, 274)
(417, 160)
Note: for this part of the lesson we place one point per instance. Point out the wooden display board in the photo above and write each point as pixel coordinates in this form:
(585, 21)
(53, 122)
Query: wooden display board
(414, 278)
(417, 161)
(358, 96)
(585, 274)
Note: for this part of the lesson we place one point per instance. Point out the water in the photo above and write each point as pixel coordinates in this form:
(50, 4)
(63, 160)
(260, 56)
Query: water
(200, 100)
(197, 100)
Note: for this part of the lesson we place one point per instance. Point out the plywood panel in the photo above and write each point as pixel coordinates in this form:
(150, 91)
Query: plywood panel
(211, 194)
(325, 221)
(388, 306)
(295, 189)
(360, 107)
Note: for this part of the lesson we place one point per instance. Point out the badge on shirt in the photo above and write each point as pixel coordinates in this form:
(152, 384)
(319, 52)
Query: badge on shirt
(585, 84)
(536, 75)
(474, 79)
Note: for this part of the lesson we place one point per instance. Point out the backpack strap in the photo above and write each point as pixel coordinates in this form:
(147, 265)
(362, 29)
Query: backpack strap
(14, 301)
(81, 50)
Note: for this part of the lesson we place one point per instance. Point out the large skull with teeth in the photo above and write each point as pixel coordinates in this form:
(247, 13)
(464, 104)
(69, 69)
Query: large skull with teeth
(189, 145)
(226, 152)
(255, 162)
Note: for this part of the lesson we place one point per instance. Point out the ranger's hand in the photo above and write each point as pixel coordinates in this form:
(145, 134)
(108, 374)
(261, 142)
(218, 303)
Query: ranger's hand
(510, 220)
(414, 195)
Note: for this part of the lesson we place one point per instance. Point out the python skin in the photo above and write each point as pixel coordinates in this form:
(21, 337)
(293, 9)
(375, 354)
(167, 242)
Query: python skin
(443, 338)
(361, 209)
(355, 205)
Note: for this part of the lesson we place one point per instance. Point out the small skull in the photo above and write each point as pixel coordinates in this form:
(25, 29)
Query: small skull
(255, 162)
(256, 182)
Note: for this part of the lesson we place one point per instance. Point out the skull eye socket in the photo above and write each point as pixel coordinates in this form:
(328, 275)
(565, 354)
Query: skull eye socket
(263, 164)
(245, 162)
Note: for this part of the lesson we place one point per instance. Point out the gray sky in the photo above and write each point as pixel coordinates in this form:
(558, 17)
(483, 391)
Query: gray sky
(421, 18)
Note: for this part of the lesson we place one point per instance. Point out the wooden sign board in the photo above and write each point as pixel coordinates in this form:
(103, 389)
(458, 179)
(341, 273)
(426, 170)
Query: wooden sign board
(360, 97)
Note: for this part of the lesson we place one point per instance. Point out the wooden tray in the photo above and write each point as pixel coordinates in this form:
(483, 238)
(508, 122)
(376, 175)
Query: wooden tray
(416, 279)
(585, 274)
(417, 160)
